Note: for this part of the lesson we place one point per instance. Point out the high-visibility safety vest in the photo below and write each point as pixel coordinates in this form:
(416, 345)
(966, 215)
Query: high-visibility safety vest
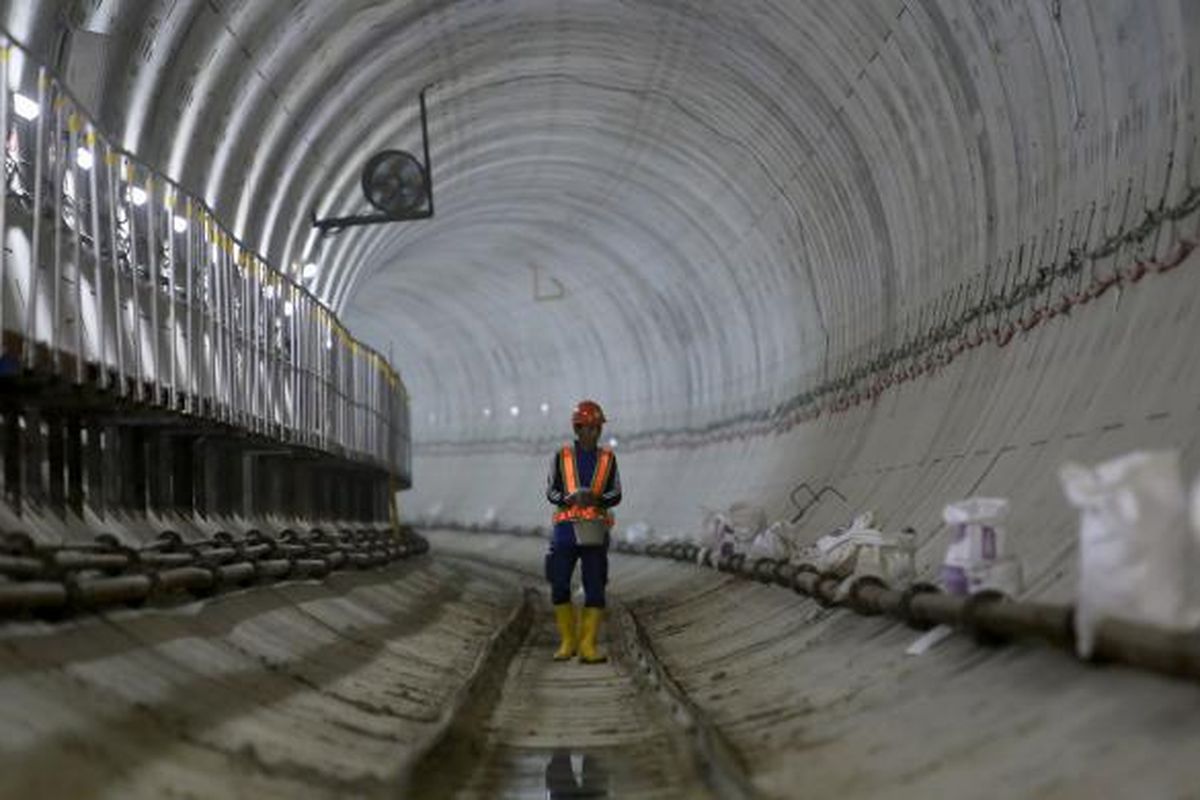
(570, 475)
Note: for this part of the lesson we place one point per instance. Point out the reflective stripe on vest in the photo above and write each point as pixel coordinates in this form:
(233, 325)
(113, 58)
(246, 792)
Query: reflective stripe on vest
(570, 475)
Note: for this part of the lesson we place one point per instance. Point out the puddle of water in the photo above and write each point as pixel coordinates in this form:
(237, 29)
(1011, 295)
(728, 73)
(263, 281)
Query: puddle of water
(565, 773)
(570, 775)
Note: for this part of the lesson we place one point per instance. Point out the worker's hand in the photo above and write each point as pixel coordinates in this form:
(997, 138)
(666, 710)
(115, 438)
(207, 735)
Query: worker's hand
(582, 498)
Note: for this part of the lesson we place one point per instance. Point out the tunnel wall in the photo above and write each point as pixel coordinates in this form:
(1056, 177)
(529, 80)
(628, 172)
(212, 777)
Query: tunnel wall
(999, 421)
(1056, 139)
(770, 224)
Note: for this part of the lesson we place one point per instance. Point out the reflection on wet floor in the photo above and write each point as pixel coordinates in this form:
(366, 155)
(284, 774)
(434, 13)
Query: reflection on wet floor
(570, 730)
(570, 776)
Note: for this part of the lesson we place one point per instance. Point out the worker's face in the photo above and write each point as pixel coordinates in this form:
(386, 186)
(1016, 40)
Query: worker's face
(587, 435)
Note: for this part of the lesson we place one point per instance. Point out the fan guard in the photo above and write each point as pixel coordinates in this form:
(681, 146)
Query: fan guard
(394, 182)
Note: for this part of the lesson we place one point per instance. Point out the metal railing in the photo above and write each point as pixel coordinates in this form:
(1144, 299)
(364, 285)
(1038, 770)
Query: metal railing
(112, 275)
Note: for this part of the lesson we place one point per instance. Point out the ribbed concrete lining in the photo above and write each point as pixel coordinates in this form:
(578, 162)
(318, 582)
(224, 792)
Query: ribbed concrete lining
(734, 198)
(739, 201)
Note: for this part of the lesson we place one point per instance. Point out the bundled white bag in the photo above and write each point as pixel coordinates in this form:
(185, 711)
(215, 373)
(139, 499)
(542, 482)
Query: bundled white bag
(980, 555)
(1196, 507)
(637, 533)
(1138, 560)
(769, 544)
(716, 533)
(862, 550)
(732, 531)
(894, 558)
(837, 552)
(747, 520)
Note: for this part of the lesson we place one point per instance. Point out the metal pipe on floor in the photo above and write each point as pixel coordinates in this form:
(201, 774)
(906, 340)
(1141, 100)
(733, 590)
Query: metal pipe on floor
(990, 617)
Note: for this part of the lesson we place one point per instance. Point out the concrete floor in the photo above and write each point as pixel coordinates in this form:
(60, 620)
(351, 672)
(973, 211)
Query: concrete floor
(825, 703)
(336, 689)
(591, 717)
(305, 690)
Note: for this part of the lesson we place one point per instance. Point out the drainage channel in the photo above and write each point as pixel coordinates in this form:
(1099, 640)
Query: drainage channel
(536, 728)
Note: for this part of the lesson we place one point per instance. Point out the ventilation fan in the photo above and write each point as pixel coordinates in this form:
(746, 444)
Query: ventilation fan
(395, 183)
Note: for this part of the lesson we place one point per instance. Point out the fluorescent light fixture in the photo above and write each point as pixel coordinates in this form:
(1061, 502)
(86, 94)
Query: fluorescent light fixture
(545, 408)
(179, 224)
(612, 442)
(329, 343)
(25, 108)
(288, 308)
(487, 412)
(84, 158)
(515, 411)
(269, 292)
(310, 269)
(138, 196)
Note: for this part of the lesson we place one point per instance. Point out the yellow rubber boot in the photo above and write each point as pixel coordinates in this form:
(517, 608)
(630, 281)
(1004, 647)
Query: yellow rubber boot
(564, 617)
(587, 640)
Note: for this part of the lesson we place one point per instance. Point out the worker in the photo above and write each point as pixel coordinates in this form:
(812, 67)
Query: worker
(583, 486)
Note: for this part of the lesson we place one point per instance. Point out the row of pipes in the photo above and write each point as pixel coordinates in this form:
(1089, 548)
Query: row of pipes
(53, 581)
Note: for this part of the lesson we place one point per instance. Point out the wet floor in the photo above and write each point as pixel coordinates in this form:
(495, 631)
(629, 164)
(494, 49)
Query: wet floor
(571, 730)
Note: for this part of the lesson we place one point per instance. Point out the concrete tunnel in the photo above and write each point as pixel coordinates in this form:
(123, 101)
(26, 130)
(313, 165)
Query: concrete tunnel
(814, 259)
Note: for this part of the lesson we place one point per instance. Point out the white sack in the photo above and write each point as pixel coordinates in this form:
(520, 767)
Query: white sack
(980, 555)
(769, 544)
(862, 550)
(1196, 508)
(747, 519)
(1137, 556)
(637, 533)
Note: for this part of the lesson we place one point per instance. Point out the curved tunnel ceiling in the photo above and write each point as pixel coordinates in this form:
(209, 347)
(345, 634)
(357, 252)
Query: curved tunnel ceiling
(694, 211)
(815, 257)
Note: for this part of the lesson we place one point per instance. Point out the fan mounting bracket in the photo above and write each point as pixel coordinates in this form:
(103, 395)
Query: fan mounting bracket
(332, 225)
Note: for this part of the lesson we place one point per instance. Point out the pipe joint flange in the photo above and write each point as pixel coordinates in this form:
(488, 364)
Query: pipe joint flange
(783, 573)
(169, 541)
(970, 611)
(798, 574)
(763, 569)
(17, 543)
(854, 596)
(906, 599)
(826, 600)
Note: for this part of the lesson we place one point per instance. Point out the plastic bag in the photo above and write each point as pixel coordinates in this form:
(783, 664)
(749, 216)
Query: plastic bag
(719, 536)
(637, 533)
(1137, 556)
(1196, 508)
(862, 550)
(980, 556)
(769, 544)
(894, 559)
(747, 520)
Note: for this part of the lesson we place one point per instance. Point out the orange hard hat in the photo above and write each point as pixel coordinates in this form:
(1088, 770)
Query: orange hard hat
(587, 412)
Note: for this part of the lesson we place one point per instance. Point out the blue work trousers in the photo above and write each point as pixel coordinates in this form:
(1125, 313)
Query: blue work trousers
(593, 567)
